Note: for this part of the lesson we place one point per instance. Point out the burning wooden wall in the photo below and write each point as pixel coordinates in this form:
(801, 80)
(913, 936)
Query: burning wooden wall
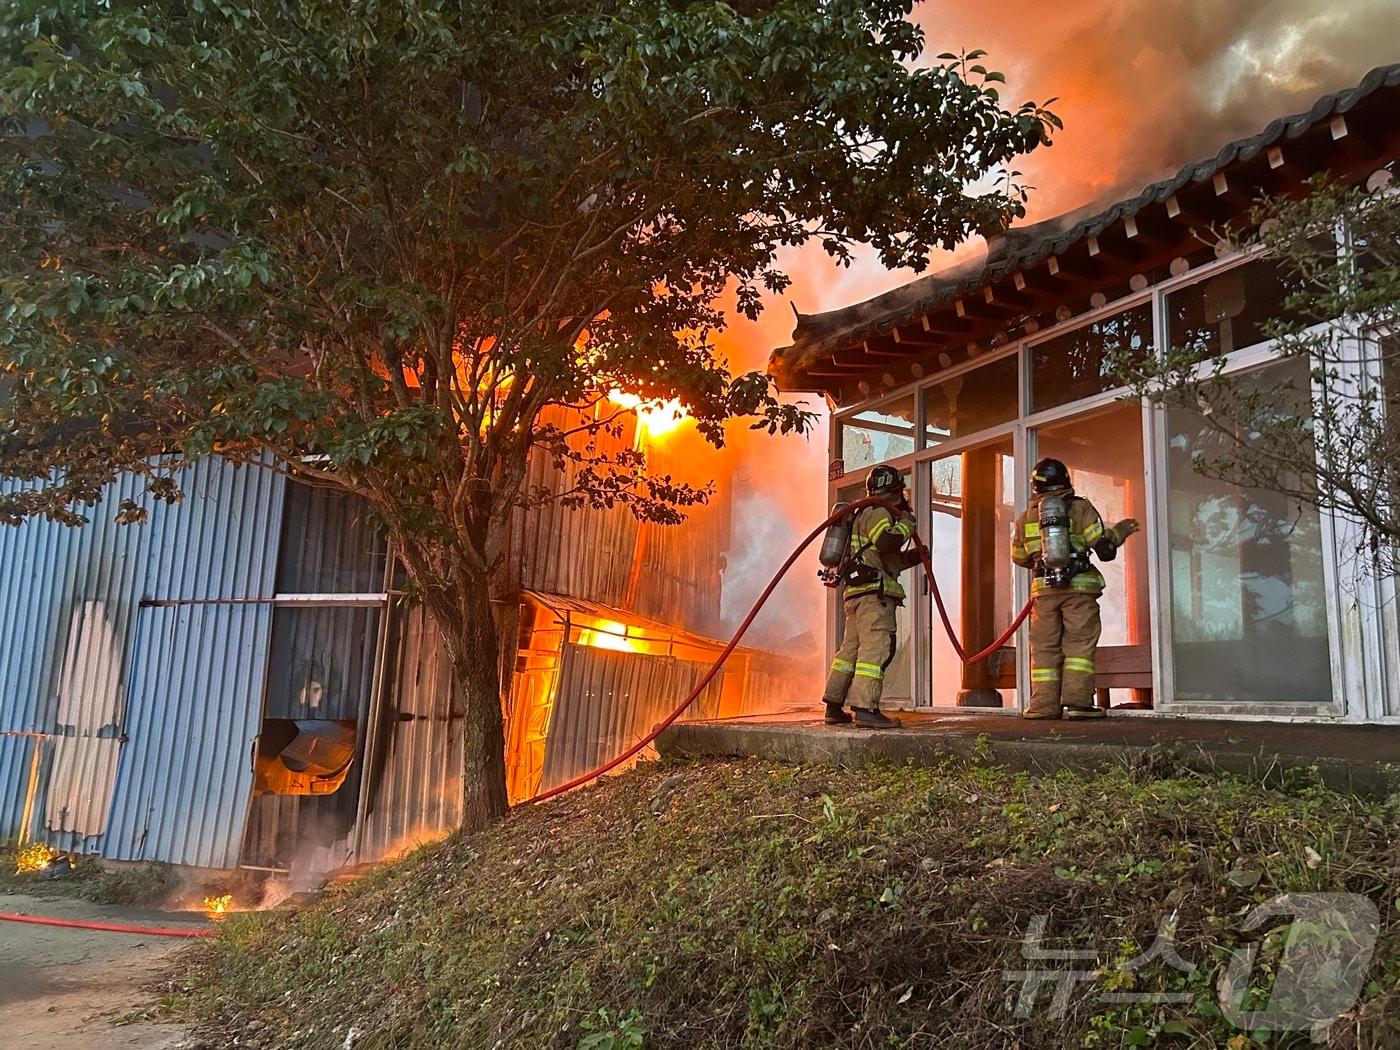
(665, 572)
(588, 684)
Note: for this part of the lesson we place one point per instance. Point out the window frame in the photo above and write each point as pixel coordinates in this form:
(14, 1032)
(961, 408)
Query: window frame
(1021, 429)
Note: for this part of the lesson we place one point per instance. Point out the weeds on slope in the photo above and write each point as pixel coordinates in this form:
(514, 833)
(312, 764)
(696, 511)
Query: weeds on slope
(750, 905)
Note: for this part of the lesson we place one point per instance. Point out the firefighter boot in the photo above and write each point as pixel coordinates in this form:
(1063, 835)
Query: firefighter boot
(1085, 712)
(836, 715)
(874, 719)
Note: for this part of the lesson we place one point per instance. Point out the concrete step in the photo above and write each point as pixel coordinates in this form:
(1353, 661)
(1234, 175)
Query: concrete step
(1363, 760)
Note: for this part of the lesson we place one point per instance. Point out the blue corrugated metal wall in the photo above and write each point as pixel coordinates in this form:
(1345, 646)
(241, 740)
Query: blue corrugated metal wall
(190, 678)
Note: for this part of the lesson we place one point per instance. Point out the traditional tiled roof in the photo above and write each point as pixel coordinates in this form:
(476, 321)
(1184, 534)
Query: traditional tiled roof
(1019, 249)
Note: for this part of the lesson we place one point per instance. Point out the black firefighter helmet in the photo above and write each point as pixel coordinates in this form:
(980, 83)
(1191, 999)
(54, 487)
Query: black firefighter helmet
(1049, 474)
(885, 482)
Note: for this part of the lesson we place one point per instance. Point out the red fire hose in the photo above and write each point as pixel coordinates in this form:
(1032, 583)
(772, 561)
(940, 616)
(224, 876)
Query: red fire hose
(108, 927)
(680, 709)
(152, 931)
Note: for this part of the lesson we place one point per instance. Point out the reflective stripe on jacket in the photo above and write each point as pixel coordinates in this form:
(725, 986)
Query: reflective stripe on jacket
(871, 524)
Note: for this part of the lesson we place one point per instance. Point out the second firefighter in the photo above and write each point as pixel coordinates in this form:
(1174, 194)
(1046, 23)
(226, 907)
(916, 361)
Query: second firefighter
(1053, 538)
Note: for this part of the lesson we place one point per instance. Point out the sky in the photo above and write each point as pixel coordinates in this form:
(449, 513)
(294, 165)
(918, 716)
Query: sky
(1144, 88)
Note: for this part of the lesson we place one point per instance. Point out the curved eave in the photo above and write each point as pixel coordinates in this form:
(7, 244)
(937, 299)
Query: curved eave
(1030, 273)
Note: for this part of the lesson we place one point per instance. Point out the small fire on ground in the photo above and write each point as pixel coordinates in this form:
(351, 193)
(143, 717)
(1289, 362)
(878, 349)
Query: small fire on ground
(218, 907)
(35, 857)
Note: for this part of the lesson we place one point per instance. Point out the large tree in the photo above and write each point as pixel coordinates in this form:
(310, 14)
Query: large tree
(380, 243)
(1329, 437)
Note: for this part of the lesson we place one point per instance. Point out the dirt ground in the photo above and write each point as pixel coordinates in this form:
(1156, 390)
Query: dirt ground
(63, 988)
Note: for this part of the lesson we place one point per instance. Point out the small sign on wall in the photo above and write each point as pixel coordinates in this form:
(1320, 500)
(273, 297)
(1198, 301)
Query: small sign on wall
(837, 470)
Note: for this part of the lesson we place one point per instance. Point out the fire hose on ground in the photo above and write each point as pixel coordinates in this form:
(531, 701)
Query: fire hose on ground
(676, 713)
(680, 709)
(109, 927)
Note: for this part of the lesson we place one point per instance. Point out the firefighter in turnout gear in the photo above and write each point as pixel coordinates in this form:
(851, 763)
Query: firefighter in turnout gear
(872, 591)
(1053, 538)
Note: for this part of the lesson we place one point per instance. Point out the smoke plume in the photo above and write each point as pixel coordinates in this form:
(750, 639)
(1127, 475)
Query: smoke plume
(1144, 86)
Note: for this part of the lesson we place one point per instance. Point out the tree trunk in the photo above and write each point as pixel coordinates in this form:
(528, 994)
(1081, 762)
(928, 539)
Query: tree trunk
(469, 631)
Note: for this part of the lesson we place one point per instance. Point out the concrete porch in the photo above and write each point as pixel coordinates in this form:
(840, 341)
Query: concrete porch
(1364, 760)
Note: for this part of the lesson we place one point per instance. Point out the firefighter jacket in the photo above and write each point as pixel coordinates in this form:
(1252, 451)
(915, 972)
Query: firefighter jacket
(1086, 533)
(877, 557)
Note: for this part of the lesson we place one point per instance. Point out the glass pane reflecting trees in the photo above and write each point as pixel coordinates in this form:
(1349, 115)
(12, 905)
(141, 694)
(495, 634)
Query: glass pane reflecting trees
(1249, 608)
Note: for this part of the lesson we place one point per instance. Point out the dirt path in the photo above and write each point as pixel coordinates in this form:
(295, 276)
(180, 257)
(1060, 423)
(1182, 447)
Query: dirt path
(60, 989)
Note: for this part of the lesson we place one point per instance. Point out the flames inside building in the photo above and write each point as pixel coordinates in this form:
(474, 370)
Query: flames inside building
(240, 682)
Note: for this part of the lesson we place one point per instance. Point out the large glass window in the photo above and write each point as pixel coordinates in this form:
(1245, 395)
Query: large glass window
(1078, 364)
(1228, 311)
(973, 401)
(1249, 610)
(1103, 451)
(884, 432)
(971, 511)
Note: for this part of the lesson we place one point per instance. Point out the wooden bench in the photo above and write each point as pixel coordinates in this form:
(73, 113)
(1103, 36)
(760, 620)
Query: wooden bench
(1115, 666)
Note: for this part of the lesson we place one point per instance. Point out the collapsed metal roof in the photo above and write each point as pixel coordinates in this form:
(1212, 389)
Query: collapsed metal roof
(814, 362)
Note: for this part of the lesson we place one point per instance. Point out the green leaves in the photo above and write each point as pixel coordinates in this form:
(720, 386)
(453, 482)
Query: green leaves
(1333, 336)
(404, 247)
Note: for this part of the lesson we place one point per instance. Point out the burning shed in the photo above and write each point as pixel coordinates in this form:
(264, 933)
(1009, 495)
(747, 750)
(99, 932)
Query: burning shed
(1234, 605)
(241, 682)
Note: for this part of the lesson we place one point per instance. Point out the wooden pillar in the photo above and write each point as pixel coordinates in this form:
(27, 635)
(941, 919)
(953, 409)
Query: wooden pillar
(981, 495)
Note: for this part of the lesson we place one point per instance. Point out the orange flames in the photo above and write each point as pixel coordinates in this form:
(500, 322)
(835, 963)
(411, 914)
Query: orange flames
(656, 417)
(35, 857)
(218, 907)
(608, 634)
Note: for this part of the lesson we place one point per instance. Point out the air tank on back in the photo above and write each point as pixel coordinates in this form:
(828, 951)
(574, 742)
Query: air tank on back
(836, 545)
(1056, 550)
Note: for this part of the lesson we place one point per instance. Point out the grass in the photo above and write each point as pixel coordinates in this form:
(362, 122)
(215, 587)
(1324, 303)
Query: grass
(148, 884)
(748, 905)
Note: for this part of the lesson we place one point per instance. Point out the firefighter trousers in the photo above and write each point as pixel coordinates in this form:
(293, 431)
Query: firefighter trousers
(867, 648)
(1064, 633)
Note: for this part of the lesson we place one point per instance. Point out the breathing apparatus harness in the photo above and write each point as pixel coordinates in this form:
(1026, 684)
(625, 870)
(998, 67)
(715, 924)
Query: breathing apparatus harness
(842, 567)
(1059, 561)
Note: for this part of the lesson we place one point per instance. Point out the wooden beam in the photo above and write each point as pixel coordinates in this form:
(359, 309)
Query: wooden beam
(914, 343)
(992, 304)
(876, 351)
(1202, 207)
(946, 325)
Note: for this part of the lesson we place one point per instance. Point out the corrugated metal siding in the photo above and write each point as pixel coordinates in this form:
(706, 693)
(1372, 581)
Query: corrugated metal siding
(220, 542)
(329, 545)
(415, 765)
(580, 551)
(669, 572)
(679, 573)
(608, 700)
(195, 708)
